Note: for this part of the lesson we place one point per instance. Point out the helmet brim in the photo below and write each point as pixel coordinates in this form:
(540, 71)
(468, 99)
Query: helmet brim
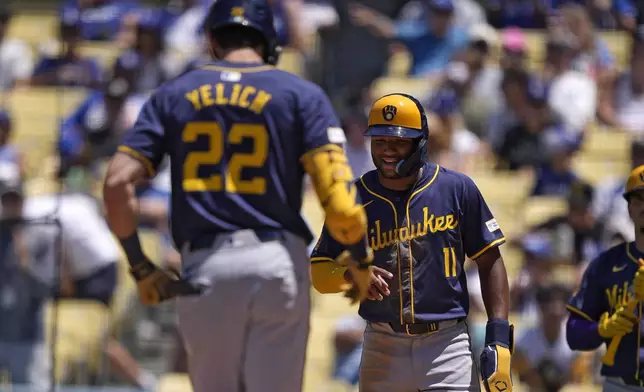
(394, 131)
(631, 191)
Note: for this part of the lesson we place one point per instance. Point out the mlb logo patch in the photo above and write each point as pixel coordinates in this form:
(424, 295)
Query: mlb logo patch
(492, 225)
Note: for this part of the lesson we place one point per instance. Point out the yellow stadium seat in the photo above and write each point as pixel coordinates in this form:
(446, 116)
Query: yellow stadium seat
(595, 171)
(535, 42)
(417, 87)
(46, 102)
(607, 145)
(541, 208)
(619, 44)
(174, 382)
(82, 328)
(399, 64)
(34, 27)
(503, 188)
(105, 53)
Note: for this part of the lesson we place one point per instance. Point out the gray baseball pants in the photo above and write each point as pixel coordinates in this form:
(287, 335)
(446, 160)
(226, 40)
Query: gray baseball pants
(248, 331)
(397, 362)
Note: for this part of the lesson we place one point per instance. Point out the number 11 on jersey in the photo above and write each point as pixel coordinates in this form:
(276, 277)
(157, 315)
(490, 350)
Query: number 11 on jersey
(449, 258)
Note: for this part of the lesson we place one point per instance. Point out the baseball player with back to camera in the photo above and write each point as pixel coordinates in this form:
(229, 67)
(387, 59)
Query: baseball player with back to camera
(240, 135)
(423, 220)
(607, 307)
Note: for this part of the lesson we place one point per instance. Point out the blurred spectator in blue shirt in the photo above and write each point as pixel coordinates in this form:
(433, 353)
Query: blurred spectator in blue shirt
(182, 22)
(572, 94)
(527, 14)
(68, 68)
(623, 107)
(99, 20)
(516, 105)
(432, 41)
(467, 13)
(523, 141)
(452, 145)
(540, 257)
(593, 58)
(27, 258)
(93, 131)
(146, 64)
(556, 176)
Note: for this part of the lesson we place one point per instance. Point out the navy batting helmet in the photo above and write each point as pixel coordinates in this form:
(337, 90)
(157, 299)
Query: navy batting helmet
(401, 115)
(254, 14)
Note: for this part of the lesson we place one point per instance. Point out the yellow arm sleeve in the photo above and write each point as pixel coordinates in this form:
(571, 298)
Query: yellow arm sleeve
(332, 179)
(326, 275)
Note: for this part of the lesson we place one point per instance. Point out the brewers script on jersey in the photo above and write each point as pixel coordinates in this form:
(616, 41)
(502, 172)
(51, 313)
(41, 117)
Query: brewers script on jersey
(239, 134)
(421, 233)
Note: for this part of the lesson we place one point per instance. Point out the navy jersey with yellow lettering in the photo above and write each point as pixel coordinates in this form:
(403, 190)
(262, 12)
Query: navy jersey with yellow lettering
(422, 236)
(605, 286)
(234, 134)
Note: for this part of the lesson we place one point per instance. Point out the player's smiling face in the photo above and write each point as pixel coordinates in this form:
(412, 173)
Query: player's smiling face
(388, 151)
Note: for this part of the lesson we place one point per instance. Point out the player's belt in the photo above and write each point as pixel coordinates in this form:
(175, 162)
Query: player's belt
(208, 241)
(424, 328)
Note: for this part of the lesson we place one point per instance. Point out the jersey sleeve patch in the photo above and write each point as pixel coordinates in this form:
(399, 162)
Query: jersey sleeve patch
(492, 225)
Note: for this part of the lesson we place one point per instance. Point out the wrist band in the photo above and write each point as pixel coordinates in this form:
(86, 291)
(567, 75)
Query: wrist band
(498, 332)
(132, 248)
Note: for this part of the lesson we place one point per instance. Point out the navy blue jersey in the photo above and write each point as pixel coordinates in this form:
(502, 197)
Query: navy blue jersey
(422, 236)
(234, 134)
(606, 286)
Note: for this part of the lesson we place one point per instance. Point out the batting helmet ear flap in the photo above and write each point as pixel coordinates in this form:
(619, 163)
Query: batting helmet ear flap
(418, 157)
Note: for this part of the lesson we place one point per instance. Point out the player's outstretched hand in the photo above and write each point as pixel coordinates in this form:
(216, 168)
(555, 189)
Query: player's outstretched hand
(156, 285)
(617, 324)
(361, 275)
(638, 284)
(379, 287)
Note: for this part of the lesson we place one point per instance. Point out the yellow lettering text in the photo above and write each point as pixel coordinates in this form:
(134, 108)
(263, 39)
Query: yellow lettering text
(206, 95)
(220, 94)
(243, 98)
(234, 96)
(261, 99)
(193, 97)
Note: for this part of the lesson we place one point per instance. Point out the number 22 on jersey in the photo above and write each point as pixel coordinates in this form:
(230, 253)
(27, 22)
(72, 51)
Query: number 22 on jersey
(232, 180)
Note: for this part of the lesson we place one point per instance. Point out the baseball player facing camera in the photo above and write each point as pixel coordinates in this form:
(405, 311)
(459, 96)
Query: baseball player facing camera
(423, 221)
(607, 307)
(240, 135)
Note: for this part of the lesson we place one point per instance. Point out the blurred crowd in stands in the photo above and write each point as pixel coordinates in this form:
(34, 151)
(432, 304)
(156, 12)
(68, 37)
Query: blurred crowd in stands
(511, 88)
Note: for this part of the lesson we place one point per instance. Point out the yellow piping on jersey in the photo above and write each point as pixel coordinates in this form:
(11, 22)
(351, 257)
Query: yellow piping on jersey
(411, 258)
(630, 255)
(240, 69)
(149, 167)
(580, 313)
(498, 241)
(393, 208)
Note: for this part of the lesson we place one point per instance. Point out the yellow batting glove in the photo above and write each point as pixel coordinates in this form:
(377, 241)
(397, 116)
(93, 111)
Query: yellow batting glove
(619, 323)
(495, 362)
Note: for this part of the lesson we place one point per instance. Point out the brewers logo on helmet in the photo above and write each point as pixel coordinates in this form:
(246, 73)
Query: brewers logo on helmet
(401, 115)
(635, 181)
(254, 14)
